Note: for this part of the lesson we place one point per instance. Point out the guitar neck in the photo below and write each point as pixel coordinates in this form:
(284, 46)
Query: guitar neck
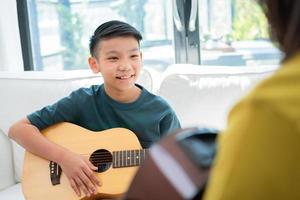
(128, 158)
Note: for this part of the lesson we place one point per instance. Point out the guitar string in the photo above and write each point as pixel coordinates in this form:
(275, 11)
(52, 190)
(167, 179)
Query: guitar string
(138, 162)
(101, 153)
(119, 164)
(108, 156)
(111, 156)
(111, 160)
(99, 157)
(115, 157)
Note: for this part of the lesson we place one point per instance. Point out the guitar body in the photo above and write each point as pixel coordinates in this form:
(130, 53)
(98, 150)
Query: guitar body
(36, 182)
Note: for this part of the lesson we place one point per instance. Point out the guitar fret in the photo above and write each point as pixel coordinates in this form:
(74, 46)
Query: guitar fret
(114, 159)
(139, 157)
(131, 157)
(123, 161)
(134, 158)
(118, 159)
(129, 154)
(127, 158)
(117, 163)
(122, 158)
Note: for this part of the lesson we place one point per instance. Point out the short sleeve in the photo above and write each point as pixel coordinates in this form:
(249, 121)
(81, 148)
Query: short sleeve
(63, 110)
(169, 124)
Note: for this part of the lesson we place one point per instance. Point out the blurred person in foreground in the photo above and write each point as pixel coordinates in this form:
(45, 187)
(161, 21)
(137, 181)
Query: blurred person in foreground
(259, 152)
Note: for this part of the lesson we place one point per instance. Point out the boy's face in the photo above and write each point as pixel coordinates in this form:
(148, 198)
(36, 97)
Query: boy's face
(119, 60)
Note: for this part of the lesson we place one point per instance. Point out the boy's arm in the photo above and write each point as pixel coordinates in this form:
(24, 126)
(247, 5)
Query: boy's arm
(78, 169)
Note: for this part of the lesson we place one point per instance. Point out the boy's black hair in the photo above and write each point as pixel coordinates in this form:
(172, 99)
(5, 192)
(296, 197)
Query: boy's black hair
(110, 30)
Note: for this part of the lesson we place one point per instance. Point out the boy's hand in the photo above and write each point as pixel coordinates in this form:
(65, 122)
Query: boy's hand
(79, 171)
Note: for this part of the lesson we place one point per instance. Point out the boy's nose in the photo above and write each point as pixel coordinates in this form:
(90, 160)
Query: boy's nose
(124, 66)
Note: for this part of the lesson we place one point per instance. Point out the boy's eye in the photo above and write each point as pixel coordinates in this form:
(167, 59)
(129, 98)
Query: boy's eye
(113, 58)
(134, 56)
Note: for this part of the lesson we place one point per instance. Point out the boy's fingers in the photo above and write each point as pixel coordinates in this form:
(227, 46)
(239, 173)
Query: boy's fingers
(93, 167)
(88, 183)
(95, 180)
(75, 188)
(93, 177)
(82, 186)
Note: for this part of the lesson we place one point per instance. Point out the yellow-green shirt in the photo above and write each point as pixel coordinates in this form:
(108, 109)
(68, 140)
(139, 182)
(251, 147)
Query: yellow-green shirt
(259, 152)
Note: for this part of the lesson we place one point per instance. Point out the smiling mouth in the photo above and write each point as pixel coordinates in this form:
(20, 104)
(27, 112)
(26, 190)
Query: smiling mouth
(125, 77)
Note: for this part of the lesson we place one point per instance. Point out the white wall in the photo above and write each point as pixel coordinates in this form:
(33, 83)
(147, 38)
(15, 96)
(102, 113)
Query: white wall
(10, 45)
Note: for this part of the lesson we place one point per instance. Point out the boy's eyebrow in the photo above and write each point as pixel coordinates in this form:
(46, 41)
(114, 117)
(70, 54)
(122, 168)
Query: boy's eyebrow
(114, 51)
(135, 49)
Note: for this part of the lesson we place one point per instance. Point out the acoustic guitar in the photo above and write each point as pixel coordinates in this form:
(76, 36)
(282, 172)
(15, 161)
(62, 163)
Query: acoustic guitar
(116, 152)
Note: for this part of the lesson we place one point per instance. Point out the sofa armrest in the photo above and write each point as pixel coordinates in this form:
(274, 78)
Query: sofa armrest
(6, 162)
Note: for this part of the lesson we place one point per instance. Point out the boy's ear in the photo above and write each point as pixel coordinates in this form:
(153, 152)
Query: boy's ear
(94, 65)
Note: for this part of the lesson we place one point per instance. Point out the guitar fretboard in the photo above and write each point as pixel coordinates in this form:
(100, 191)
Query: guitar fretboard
(128, 158)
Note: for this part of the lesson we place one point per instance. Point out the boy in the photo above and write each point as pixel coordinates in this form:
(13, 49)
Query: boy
(118, 102)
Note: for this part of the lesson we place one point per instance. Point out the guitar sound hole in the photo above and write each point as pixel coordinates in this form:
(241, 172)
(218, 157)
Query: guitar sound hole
(101, 159)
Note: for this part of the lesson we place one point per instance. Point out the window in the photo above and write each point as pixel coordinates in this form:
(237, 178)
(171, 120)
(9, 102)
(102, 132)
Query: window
(207, 32)
(235, 33)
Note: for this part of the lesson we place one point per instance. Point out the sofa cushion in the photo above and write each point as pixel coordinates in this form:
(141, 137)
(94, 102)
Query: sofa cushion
(14, 193)
(203, 95)
(6, 162)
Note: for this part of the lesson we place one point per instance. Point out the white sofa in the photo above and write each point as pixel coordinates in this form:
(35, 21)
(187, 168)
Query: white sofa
(200, 96)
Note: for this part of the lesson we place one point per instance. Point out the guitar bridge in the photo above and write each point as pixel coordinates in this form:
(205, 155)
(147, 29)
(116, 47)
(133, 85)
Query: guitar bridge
(55, 173)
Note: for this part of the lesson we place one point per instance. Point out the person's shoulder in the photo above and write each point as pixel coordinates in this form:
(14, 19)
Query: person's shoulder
(276, 94)
(281, 85)
(84, 94)
(153, 99)
(156, 98)
(87, 91)
(162, 100)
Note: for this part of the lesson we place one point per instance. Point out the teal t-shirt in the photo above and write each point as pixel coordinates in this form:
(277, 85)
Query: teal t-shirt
(149, 117)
